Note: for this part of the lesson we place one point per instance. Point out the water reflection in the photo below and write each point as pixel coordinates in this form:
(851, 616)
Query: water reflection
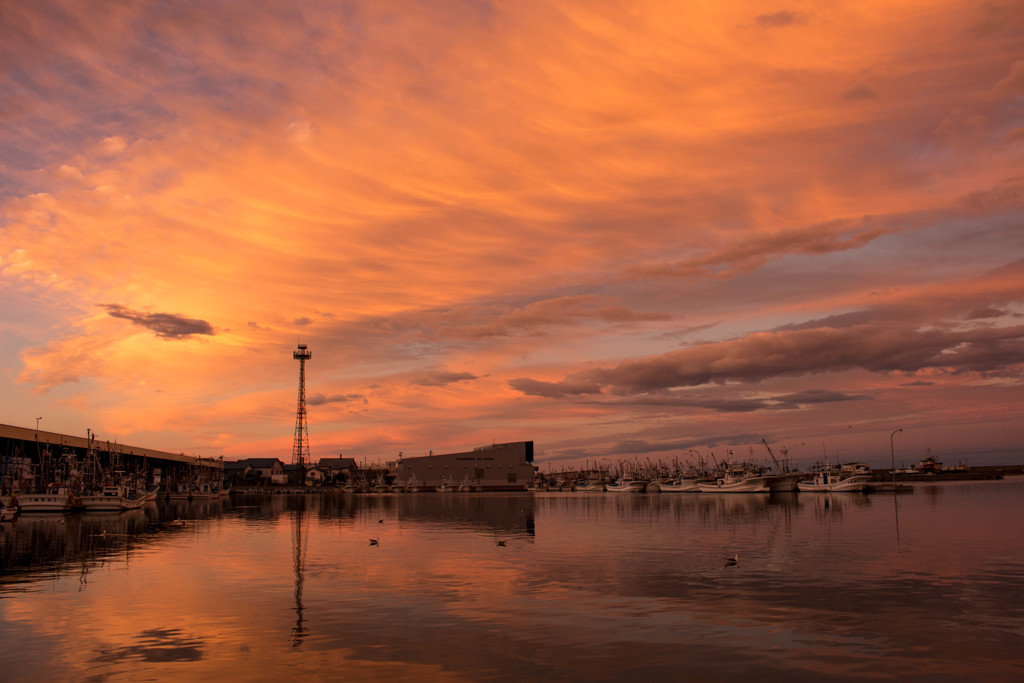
(601, 587)
(299, 631)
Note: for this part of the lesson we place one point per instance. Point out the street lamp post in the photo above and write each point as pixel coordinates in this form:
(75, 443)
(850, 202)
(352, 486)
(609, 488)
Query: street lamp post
(37, 423)
(892, 455)
(895, 493)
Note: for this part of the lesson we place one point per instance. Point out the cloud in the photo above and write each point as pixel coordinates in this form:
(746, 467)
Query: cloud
(164, 325)
(533, 387)
(761, 356)
(859, 92)
(735, 404)
(780, 18)
(812, 396)
(440, 379)
(752, 251)
(320, 399)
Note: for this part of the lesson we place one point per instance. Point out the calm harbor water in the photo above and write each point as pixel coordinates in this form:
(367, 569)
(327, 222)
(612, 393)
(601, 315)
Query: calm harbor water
(585, 587)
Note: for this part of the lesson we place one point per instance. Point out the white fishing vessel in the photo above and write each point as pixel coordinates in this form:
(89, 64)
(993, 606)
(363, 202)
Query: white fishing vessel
(833, 481)
(681, 485)
(783, 483)
(53, 499)
(107, 499)
(736, 480)
(626, 486)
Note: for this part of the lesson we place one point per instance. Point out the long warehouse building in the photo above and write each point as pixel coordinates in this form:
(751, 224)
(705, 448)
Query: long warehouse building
(498, 467)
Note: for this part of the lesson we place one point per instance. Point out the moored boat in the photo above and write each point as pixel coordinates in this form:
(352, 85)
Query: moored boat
(783, 483)
(54, 499)
(736, 480)
(833, 481)
(107, 499)
(626, 486)
(680, 485)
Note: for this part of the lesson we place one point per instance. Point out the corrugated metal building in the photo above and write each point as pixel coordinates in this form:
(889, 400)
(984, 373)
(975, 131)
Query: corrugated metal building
(498, 467)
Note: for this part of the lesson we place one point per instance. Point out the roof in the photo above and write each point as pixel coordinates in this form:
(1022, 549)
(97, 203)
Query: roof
(55, 438)
(260, 462)
(337, 463)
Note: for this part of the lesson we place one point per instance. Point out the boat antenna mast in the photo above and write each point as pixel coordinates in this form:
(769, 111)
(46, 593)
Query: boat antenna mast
(778, 466)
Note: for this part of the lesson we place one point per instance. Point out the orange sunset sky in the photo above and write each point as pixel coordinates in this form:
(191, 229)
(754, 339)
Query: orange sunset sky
(618, 229)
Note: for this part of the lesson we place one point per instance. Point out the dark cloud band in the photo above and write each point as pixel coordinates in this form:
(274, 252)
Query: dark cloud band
(164, 325)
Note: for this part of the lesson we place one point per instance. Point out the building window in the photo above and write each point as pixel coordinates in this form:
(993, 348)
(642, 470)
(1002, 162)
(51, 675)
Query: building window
(511, 477)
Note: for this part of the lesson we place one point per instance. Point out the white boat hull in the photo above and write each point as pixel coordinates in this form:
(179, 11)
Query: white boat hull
(44, 502)
(627, 487)
(681, 486)
(745, 485)
(852, 484)
(783, 483)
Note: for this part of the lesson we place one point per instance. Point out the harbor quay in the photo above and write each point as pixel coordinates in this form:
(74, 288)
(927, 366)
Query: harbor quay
(34, 461)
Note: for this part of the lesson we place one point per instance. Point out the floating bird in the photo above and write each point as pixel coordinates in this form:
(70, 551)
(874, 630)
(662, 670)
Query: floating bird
(374, 541)
(500, 543)
(734, 559)
(380, 521)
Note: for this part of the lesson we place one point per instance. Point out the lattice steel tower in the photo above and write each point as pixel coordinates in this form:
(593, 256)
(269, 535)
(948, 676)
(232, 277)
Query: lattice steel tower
(300, 448)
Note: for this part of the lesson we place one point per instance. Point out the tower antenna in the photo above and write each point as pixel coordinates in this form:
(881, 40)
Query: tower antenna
(300, 447)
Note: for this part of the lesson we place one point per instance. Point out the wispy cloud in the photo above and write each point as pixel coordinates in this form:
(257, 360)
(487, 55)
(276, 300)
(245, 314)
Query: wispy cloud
(164, 325)
(780, 18)
(440, 379)
(585, 223)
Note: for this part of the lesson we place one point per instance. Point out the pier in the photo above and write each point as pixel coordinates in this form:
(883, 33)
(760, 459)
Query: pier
(24, 447)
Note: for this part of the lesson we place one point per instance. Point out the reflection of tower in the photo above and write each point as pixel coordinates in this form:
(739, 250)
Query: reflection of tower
(300, 449)
(299, 631)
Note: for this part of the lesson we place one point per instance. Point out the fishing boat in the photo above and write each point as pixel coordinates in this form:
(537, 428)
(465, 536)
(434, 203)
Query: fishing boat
(626, 486)
(108, 499)
(832, 480)
(591, 486)
(7, 512)
(178, 491)
(783, 483)
(52, 499)
(736, 480)
(680, 485)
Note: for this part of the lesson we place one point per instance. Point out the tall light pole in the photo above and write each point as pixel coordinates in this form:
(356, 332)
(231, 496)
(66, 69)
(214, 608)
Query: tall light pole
(892, 454)
(300, 446)
(895, 493)
(37, 423)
